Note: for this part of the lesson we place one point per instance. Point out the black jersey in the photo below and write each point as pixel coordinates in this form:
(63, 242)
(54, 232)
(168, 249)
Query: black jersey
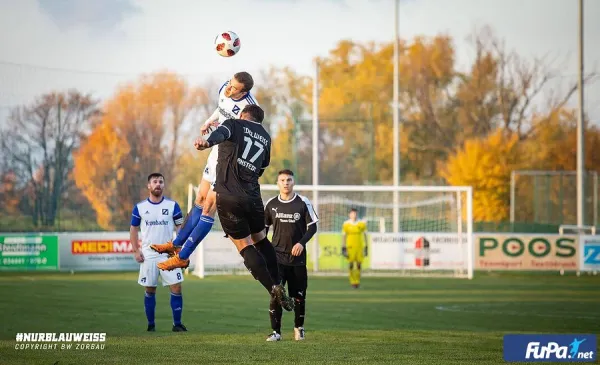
(290, 220)
(243, 157)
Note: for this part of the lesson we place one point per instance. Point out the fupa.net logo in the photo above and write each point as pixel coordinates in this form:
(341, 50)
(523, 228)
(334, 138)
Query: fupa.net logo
(553, 348)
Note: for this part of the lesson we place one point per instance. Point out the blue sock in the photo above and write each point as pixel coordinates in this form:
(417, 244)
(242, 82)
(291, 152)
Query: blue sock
(177, 307)
(197, 235)
(189, 225)
(150, 305)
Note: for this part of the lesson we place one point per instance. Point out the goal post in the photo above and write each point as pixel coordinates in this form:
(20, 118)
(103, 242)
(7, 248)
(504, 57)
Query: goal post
(434, 231)
(575, 229)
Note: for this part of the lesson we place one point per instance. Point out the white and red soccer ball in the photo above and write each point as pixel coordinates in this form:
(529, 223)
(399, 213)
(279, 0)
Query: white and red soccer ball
(227, 44)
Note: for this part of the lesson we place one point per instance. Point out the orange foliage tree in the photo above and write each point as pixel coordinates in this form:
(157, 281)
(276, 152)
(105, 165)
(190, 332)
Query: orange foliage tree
(282, 154)
(100, 174)
(486, 165)
(552, 145)
(144, 128)
(9, 192)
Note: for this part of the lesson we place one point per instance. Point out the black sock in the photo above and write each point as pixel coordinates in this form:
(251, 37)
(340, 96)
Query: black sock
(275, 313)
(257, 266)
(299, 311)
(268, 252)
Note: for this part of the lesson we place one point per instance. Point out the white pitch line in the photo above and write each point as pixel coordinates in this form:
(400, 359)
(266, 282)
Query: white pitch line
(462, 309)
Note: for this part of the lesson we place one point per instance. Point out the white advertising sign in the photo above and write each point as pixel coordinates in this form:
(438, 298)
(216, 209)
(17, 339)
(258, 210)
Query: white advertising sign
(411, 251)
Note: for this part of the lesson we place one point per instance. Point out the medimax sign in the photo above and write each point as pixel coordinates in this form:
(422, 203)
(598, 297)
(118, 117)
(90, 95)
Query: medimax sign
(101, 247)
(90, 251)
(526, 252)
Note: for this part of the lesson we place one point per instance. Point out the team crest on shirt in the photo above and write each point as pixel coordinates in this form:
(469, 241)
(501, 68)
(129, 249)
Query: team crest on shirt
(235, 110)
(165, 212)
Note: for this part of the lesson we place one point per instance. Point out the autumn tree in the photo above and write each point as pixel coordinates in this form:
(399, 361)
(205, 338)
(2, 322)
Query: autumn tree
(353, 110)
(282, 95)
(100, 172)
(39, 140)
(9, 194)
(355, 115)
(477, 102)
(506, 90)
(428, 80)
(441, 106)
(552, 146)
(141, 131)
(282, 154)
(486, 165)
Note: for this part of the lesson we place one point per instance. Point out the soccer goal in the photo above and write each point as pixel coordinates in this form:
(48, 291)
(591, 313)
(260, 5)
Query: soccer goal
(412, 230)
(575, 229)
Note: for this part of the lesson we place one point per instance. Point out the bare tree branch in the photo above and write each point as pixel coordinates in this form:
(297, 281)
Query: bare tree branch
(43, 136)
(521, 84)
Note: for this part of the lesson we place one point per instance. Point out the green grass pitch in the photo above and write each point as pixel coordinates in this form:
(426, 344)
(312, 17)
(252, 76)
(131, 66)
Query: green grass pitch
(388, 320)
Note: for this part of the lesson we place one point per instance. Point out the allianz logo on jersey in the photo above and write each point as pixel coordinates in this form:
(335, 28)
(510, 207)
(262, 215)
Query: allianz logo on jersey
(295, 216)
(156, 222)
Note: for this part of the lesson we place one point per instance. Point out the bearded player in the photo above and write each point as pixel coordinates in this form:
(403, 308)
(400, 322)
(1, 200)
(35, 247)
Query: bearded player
(234, 95)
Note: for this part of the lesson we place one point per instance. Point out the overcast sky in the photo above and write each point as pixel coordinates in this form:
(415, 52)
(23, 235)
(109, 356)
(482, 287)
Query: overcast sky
(94, 45)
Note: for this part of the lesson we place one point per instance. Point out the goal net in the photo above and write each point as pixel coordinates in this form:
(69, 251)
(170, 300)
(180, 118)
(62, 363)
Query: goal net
(412, 230)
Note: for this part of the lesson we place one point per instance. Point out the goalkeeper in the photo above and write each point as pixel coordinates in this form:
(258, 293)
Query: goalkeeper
(354, 245)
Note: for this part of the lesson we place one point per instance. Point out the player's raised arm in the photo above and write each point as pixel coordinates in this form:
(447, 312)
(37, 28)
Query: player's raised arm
(133, 234)
(221, 134)
(212, 121)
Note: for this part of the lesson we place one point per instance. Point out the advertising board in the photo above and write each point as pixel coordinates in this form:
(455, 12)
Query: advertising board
(526, 252)
(28, 252)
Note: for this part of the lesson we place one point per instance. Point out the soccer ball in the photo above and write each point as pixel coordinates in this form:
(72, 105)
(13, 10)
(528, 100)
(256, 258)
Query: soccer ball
(227, 44)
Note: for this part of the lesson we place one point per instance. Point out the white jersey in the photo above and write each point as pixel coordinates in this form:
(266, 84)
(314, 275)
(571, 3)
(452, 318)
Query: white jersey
(232, 108)
(229, 109)
(157, 222)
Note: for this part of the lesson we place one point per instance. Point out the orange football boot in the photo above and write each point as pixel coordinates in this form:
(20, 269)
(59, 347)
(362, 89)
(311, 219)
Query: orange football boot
(167, 248)
(172, 263)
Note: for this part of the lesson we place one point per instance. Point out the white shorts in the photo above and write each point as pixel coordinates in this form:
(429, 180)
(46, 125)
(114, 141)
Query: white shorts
(149, 273)
(210, 171)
